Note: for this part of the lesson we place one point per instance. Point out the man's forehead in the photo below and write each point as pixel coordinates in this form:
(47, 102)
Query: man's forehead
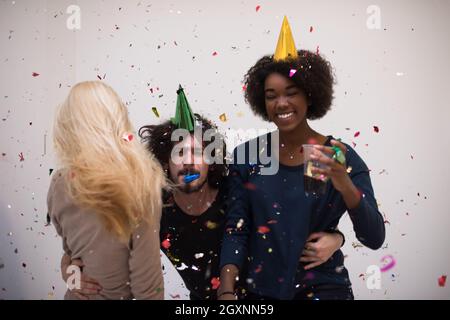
(190, 141)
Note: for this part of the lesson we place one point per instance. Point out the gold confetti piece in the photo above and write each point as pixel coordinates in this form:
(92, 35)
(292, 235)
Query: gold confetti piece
(223, 117)
(211, 225)
(155, 111)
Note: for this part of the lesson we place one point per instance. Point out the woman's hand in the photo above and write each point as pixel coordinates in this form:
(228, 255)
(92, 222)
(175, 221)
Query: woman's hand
(88, 286)
(319, 247)
(335, 171)
(228, 276)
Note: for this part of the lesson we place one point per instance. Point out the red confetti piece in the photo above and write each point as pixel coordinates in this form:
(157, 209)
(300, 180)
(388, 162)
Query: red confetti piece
(21, 157)
(174, 296)
(244, 87)
(128, 137)
(311, 29)
(250, 186)
(257, 8)
(292, 72)
(215, 282)
(272, 221)
(354, 144)
(263, 229)
(151, 90)
(441, 281)
(35, 74)
(166, 244)
(376, 129)
(258, 270)
(356, 134)
(214, 53)
(99, 78)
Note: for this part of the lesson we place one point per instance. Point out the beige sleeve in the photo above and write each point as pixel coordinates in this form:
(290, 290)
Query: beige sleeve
(54, 198)
(146, 279)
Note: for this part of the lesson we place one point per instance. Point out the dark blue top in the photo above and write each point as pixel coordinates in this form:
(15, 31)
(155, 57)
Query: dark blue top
(269, 219)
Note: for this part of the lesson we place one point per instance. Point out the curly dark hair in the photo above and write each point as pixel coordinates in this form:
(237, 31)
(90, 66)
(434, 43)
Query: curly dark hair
(314, 77)
(157, 138)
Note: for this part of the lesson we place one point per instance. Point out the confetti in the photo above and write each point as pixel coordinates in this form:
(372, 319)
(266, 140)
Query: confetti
(214, 53)
(257, 8)
(258, 269)
(21, 157)
(166, 244)
(155, 111)
(263, 229)
(175, 296)
(182, 267)
(211, 225)
(376, 129)
(250, 186)
(215, 282)
(35, 74)
(389, 263)
(292, 72)
(317, 50)
(223, 117)
(356, 134)
(199, 255)
(441, 281)
(311, 29)
(50, 171)
(240, 223)
(357, 245)
(127, 137)
(309, 276)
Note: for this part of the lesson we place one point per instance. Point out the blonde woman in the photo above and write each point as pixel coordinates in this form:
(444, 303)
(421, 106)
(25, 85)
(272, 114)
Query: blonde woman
(105, 202)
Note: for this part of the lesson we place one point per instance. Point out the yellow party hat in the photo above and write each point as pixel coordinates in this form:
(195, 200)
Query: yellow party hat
(286, 45)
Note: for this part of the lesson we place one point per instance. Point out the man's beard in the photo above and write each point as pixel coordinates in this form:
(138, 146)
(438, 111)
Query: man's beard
(188, 188)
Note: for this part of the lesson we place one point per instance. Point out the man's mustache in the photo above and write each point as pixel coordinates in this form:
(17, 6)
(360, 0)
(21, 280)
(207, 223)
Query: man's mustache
(188, 171)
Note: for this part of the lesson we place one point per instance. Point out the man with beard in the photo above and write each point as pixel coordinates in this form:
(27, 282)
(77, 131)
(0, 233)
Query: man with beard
(192, 222)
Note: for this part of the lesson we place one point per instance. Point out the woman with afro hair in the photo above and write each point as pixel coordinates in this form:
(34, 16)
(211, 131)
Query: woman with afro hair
(284, 235)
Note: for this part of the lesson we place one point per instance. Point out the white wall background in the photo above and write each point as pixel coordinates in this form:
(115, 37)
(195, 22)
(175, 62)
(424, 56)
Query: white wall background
(396, 78)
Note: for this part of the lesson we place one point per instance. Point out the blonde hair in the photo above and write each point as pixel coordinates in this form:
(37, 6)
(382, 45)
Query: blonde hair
(117, 178)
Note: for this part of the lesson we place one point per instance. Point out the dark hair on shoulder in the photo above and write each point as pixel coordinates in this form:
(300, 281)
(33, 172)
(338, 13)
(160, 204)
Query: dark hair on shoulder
(314, 77)
(157, 139)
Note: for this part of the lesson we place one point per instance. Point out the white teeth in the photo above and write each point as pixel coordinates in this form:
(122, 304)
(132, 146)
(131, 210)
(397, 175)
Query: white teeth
(285, 115)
